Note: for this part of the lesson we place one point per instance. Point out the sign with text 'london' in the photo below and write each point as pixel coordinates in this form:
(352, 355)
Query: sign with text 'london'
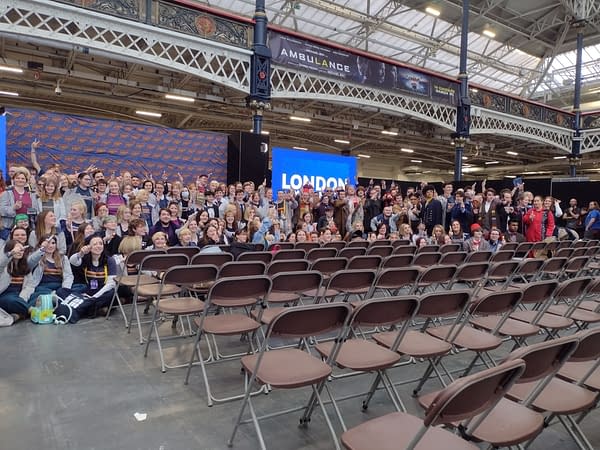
(293, 169)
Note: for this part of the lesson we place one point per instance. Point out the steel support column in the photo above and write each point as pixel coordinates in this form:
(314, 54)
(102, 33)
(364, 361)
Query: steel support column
(575, 156)
(463, 111)
(259, 99)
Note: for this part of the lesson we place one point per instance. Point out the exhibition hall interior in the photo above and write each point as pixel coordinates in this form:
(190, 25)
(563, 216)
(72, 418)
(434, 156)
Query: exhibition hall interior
(300, 224)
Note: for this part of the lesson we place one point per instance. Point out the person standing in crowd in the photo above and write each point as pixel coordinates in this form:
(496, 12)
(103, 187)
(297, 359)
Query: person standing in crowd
(592, 221)
(539, 222)
(17, 200)
(48, 198)
(476, 242)
(572, 216)
(432, 211)
(167, 226)
(85, 192)
(512, 233)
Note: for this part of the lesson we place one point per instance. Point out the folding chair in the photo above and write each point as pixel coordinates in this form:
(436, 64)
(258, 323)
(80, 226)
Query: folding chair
(380, 242)
(528, 270)
(285, 245)
(214, 259)
(350, 252)
(289, 254)
(471, 274)
(361, 355)
(228, 293)
(430, 248)
(357, 244)
(426, 259)
(317, 253)
(502, 255)
(287, 265)
(450, 248)
(460, 401)
(401, 242)
(389, 281)
(433, 277)
(576, 266)
(349, 282)
(181, 276)
(265, 257)
(564, 252)
(307, 246)
(404, 250)
(523, 249)
(479, 256)
(338, 245)
(241, 269)
(364, 262)
(190, 252)
(396, 261)
(552, 268)
(453, 258)
(510, 246)
(290, 368)
(157, 264)
(582, 366)
(130, 278)
(499, 275)
(380, 250)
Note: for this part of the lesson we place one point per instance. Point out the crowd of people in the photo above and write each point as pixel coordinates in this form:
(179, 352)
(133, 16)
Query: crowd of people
(68, 233)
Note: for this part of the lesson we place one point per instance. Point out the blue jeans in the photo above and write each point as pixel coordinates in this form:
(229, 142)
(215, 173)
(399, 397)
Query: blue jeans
(13, 304)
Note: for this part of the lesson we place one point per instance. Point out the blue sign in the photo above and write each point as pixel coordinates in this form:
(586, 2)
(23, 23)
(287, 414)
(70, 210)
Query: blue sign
(293, 169)
(3, 144)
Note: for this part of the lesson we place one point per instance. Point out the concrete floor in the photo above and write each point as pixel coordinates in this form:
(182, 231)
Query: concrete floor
(78, 387)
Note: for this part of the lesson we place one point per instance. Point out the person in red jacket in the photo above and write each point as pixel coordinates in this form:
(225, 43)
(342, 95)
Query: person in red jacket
(539, 222)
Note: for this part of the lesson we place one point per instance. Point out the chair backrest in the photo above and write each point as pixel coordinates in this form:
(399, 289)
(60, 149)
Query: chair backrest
(447, 248)
(552, 246)
(529, 266)
(455, 258)
(359, 244)
(397, 261)
(576, 264)
(471, 271)
(230, 290)
(502, 255)
(328, 266)
(364, 262)
(502, 270)
(380, 242)
(317, 253)
(479, 256)
(296, 282)
(190, 274)
(580, 251)
(523, 248)
(286, 245)
(309, 320)
(592, 243)
(430, 248)
(510, 246)
(188, 251)
(404, 250)
(401, 242)
(351, 279)
(564, 252)
(474, 394)
(553, 265)
(436, 274)
(426, 259)
(162, 263)
(573, 288)
(351, 252)
(287, 265)
(589, 346)
(538, 291)
(578, 244)
(497, 302)
(306, 246)
(265, 257)
(335, 244)
(443, 304)
(289, 254)
(544, 358)
(216, 259)
(384, 311)
(136, 257)
(381, 250)
(242, 269)
(396, 278)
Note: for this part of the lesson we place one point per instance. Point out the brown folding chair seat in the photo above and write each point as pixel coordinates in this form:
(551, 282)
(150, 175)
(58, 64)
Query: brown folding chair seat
(287, 265)
(183, 305)
(395, 261)
(241, 269)
(391, 280)
(265, 257)
(363, 355)
(289, 254)
(380, 250)
(351, 252)
(238, 295)
(130, 278)
(190, 252)
(214, 259)
(307, 246)
(460, 401)
(317, 253)
(290, 368)
(158, 264)
(365, 262)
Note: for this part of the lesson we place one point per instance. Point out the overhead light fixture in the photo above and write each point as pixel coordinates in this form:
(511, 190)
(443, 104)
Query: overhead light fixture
(474, 90)
(300, 119)
(407, 150)
(179, 98)
(300, 148)
(487, 163)
(489, 33)
(9, 93)
(266, 133)
(509, 152)
(433, 11)
(341, 141)
(389, 132)
(139, 112)
(510, 176)
(361, 155)
(418, 161)
(10, 69)
(560, 157)
(464, 158)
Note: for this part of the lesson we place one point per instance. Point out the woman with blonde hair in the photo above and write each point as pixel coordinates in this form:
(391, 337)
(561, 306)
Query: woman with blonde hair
(48, 198)
(75, 218)
(123, 217)
(53, 273)
(46, 225)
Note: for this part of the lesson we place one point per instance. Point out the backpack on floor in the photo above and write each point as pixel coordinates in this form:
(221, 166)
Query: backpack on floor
(72, 308)
(43, 311)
